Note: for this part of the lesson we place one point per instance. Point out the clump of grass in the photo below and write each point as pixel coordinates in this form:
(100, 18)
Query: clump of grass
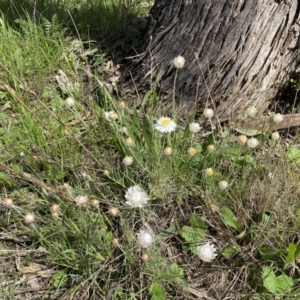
(120, 203)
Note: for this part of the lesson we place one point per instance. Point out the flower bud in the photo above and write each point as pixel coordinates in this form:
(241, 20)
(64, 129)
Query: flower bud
(179, 62)
(129, 142)
(192, 151)
(251, 111)
(145, 257)
(223, 184)
(55, 215)
(210, 148)
(252, 143)
(208, 113)
(70, 102)
(29, 218)
(54, 208)
(113, 212)
(209, 172)
(8, 202)
(128, 160)
(122, 104)
(168, 151)
(277, 118)
(275, 136)
(95, 203)
(242, 139)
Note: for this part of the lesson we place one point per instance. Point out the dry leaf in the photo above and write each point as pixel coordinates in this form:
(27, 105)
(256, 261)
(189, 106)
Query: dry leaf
(32, 268)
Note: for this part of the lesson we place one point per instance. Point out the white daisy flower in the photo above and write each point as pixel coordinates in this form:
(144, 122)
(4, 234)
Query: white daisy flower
(206, 252)
(165, 124)
(145, 238)
(110, 116)
(81, 200)
(136, 197)
(194, 127)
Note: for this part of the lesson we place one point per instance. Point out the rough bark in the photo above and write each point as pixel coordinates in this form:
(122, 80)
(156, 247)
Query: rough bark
(237, 51)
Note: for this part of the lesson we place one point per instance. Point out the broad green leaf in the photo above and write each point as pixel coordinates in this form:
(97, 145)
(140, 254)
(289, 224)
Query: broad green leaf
(147, 132)
(5, 180)
(271, 254)
(293, 253)
(158, 292)
(2, 116)
(293, 154)
(229, 218)
(198, 156)
(59, 279)
(269, 280)
(297, 251)
(163, 235)
(197, 222)
(3, 95)
(176, 270)
(248, 132)
(192, 234)
(244, 160)
(233, 153)
(230, 251)
(284, 284)
(193, 249)
(290, 258)
(276, 285)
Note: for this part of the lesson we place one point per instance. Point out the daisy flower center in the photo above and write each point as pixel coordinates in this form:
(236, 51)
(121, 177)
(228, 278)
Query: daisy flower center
(112, 115)
(165, 122)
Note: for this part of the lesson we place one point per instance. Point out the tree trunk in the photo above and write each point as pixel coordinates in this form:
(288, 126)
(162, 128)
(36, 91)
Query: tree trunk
(237, 52)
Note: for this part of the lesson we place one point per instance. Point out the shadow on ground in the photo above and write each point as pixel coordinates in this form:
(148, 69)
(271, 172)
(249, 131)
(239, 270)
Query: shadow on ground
(116, 26)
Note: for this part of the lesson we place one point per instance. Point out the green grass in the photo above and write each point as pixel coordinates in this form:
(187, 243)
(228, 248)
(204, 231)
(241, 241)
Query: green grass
(51, 154)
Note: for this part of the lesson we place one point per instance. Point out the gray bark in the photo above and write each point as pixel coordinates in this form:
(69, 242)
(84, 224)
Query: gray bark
(238, 52)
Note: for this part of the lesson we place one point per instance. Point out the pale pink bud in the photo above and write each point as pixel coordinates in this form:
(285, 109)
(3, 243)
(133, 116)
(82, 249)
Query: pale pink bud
(29, 218)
